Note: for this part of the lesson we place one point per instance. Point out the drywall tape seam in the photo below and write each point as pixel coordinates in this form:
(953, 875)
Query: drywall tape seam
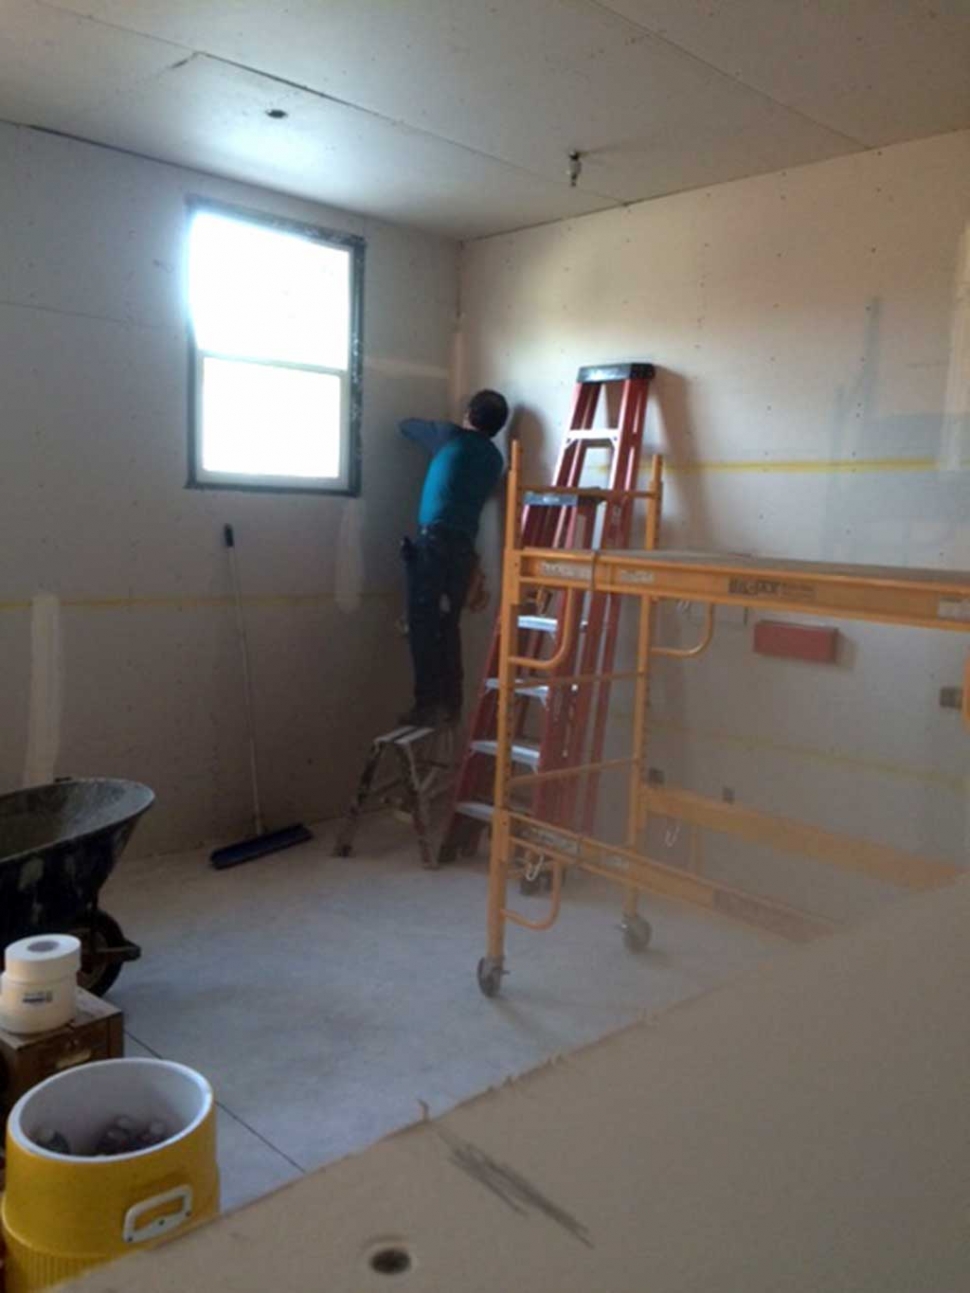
(349, 573)
(197, 603)
(44, 715)
(390, 367)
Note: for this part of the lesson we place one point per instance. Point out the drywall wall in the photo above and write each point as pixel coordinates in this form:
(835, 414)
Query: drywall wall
(116, 634)
(803, 1128)
(812, 333)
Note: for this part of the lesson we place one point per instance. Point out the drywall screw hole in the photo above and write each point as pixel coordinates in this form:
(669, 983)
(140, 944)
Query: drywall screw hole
(393, 1260)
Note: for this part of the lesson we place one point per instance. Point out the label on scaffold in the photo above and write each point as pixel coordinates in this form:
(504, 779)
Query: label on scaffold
(954, 608)
(572, 571)
(776, 589)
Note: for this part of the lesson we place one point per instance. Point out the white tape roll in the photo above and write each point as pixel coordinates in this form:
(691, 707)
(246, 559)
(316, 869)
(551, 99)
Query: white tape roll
(43, 958)
(38, 987)
(36, 1007)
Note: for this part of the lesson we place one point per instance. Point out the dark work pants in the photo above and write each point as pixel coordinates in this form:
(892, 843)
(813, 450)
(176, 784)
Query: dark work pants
(439, 565)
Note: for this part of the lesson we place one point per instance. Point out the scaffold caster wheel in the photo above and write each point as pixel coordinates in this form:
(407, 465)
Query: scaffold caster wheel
(489, 976)
(530, 884)
(343, 851)
(637, 933)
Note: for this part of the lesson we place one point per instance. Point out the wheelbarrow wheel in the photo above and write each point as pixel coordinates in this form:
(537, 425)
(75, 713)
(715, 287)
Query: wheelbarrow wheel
(99, 967)
(637, 933)
(490, 974)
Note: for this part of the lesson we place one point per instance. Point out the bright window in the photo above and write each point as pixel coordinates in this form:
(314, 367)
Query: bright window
(275, 321)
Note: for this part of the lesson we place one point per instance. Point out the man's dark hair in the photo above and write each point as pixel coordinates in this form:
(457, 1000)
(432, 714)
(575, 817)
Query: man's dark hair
(487, 412)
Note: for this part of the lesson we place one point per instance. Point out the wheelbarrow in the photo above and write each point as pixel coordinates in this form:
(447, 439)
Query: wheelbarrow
(58, 845)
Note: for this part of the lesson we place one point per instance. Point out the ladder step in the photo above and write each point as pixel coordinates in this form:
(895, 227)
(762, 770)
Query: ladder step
(537, 691)
(539, 623)
(473, 808)
(522, 751)
(403, 735)
(537, 498)
(546, 623)
(603, 438)
(534, 498)
(420, 734)
(640, 370)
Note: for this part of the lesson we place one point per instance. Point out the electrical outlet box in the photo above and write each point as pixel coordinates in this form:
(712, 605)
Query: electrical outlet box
(951, 698)
(655, 776)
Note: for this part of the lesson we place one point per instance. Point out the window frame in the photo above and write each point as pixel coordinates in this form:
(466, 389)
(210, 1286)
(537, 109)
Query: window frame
(348, 485)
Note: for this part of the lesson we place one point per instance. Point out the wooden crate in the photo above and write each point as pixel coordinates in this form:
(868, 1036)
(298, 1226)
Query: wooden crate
(95, 1033)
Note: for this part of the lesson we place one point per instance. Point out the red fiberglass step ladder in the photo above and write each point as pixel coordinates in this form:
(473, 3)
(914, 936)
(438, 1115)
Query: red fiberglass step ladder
(552, 723)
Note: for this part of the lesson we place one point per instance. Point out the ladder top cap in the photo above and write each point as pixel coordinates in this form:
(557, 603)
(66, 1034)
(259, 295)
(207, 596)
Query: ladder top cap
(615, 372)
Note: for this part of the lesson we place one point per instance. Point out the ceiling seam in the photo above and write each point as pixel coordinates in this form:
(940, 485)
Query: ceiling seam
(331, 98)
(602, 6)
(112, 26)
(630, 204)
(400, 123)
(39, 308)
(190, 169)
(458, 239)
(612, 201)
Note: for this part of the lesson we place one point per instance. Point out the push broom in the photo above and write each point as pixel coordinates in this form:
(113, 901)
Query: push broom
(261, 842)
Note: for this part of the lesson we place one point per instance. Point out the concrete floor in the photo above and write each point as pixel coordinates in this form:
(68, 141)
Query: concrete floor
(327, 999)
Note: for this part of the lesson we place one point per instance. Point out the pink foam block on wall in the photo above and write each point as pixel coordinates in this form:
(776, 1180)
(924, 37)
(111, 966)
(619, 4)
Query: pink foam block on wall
(810, 642)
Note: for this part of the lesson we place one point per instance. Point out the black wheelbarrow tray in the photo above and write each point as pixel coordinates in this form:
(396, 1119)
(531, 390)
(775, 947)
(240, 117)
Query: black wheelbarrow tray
(58, 845)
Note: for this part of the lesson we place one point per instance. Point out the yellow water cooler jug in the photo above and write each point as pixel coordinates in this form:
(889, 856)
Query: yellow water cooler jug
(63, 1213)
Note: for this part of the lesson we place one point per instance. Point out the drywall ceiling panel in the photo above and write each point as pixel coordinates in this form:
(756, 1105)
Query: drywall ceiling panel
(53, 63)
(661, 95)
(876, 71)
(525, 83)
(687, 127)
(210, 115)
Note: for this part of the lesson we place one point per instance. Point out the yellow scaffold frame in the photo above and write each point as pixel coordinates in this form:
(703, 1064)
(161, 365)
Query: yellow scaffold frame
(923, 598)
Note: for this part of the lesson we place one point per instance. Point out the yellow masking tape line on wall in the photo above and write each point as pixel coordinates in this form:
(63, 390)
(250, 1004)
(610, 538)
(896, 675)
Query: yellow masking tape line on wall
(927, 775)
(808, 466)
(800, 466)
(191, 603)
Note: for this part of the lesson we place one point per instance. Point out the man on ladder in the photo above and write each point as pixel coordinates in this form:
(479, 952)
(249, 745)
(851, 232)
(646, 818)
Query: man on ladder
(464, 472)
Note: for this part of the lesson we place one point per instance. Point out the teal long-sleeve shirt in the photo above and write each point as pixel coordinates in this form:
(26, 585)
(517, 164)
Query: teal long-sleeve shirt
(463, 473)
